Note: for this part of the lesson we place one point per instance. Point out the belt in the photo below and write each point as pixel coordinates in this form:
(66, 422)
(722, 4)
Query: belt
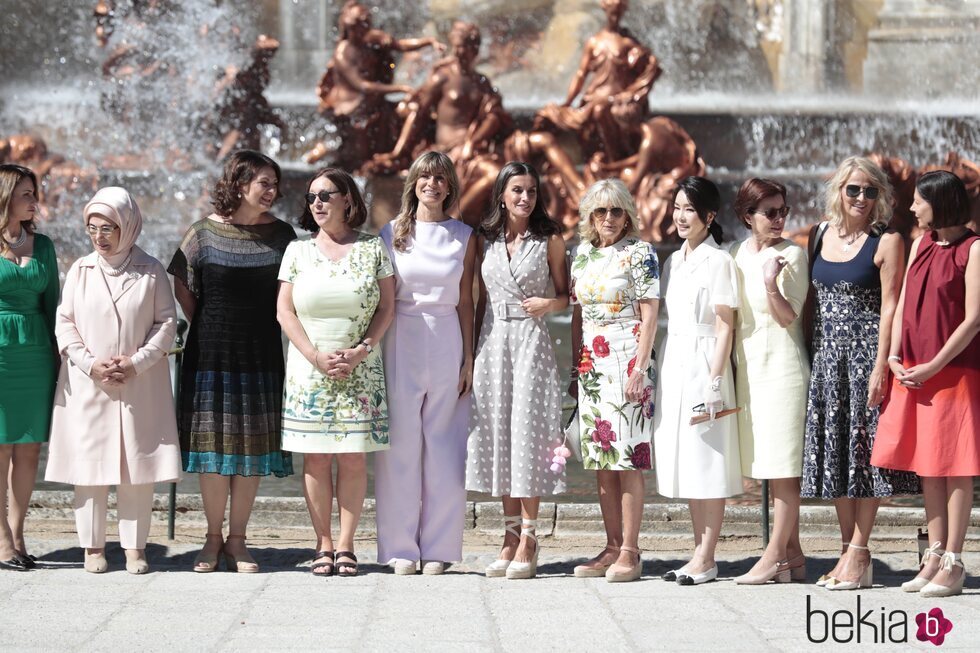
(509, 311)
(702, 330)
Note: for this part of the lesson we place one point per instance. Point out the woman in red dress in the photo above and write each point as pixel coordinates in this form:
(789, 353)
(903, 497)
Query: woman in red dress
(931, 422)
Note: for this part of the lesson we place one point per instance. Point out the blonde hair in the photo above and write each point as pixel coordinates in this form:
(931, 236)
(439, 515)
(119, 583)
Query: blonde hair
(608, 193)
(11, 175)
(403, 226)
(882, 212)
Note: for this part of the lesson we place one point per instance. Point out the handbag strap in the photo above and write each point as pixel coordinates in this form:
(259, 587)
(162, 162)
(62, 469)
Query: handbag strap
(817, 243)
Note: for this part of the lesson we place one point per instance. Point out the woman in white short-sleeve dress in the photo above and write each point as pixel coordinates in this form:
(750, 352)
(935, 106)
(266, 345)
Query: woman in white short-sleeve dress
(700, 462)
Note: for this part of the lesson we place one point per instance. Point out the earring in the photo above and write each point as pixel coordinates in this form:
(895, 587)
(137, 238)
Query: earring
(503, 206)
(239, 196)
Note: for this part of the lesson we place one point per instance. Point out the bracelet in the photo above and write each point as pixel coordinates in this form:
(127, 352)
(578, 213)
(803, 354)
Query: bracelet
(895, 357)
(772, 292)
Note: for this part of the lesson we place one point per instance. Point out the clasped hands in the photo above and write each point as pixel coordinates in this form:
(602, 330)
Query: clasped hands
(912, 377)
(340, 363)
(113, 371)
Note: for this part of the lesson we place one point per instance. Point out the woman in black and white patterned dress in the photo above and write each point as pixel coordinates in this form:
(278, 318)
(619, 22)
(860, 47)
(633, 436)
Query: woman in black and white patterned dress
(857, 273)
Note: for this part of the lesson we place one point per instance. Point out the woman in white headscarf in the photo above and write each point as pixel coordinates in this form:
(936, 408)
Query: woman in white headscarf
(113, 421)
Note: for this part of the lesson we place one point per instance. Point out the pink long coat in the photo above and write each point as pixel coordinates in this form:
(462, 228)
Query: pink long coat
(106, 435)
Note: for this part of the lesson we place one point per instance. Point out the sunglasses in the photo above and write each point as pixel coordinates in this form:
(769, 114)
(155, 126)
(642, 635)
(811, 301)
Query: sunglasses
(105, 230)
(870, 192)
(324, 196)
(615, 212)
(772, 214)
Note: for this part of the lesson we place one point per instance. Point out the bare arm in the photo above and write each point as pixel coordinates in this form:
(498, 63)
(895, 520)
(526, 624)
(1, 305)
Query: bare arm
(481, 300)
(895, 345)
(465, 312)
(889, 259)
(578, 80)
(962, 336)
(186, 299)
(576, 348)
(353, 77)
(724, 327)
(644, 348)
(415, 122)
(779, 307)
(292, 327)
(383, 316)
(411, 45)
(539, 306)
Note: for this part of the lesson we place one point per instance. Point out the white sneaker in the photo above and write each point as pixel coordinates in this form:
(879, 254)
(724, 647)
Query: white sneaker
(433, 567)
(403, 567)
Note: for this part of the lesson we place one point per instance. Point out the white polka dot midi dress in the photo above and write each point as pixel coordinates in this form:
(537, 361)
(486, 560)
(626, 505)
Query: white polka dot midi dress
(516, 389)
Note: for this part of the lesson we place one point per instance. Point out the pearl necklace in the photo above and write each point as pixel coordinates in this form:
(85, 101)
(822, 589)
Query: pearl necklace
(115, 271)
(14, 244)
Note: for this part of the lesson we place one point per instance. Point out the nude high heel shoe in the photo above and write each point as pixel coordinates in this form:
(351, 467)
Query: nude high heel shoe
(136, 561)
(95, 563)
(520, 570)
(825, 578)
(865, 580)
(919, 582)
(498, 568)
(948, 561)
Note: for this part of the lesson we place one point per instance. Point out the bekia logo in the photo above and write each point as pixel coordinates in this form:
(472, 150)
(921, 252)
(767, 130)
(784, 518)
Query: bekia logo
(873, 626)
(933, 626)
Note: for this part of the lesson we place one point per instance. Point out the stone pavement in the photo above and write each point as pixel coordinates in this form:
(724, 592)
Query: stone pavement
(59, 607)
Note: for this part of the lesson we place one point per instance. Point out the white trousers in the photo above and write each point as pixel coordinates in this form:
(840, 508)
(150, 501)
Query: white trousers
(134, 504)
(419, 481)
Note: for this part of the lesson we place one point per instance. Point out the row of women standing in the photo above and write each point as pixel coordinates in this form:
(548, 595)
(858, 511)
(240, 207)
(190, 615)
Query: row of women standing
(338, 295)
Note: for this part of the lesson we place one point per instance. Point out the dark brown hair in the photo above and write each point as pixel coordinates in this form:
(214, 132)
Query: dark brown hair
(240, 169)
(946, 194)
(356, 213)
(10, 175)
(539, 224)
(753, 192)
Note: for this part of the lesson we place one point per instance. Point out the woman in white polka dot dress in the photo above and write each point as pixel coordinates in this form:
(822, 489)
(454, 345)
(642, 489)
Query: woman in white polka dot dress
(516, 389)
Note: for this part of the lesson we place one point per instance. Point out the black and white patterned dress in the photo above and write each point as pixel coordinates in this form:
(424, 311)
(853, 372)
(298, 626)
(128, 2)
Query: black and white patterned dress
(840, 428)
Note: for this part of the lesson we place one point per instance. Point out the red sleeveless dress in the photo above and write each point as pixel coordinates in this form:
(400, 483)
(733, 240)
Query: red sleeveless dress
(934, 430)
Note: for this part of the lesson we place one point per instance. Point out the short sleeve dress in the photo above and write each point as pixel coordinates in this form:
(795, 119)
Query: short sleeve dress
(28, 300)
(934, 430)
(772, 365)
(232, 378)
(608, 283)
(700, 461)
(335, 302)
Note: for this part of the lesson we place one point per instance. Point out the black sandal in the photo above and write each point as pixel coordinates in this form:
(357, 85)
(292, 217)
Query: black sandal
(328, 565)
(346, 567)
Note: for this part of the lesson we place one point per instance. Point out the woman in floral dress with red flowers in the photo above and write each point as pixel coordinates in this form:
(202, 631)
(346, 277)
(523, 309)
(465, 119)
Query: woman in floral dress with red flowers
(616, 290)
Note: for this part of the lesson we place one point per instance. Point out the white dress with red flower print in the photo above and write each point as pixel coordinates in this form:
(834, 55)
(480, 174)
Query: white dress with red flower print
(701, 461)
(608, 283)
(516, 418)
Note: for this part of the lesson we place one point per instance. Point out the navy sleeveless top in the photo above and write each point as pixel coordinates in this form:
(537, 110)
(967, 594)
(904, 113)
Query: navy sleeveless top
(860, 270)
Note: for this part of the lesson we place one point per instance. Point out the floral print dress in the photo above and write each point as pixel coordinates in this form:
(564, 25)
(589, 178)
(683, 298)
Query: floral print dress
(608, 283)
(335, 302)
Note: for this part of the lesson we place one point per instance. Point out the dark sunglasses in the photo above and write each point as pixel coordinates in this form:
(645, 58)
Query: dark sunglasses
(870, 192)
(614, 211)
(324, 196)
(772, 214)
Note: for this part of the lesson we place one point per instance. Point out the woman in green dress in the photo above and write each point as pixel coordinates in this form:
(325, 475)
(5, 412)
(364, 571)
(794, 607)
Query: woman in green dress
(336, 300)
(28, 299)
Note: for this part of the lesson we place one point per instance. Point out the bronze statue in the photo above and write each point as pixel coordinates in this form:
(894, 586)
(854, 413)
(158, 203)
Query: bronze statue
(103, 14)
(353, 88)
(667, 154)
(617, 73)
(61, 181)
(242, 107)
(902, 177)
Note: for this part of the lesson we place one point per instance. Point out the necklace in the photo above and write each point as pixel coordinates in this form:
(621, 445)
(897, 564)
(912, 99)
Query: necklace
(115, 271)
(14, 244)
(846, 243)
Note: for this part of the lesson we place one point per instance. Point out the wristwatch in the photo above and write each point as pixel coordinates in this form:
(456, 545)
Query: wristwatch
(366, 346)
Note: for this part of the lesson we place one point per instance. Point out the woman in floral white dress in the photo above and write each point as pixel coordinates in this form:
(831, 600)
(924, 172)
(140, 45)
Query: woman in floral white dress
(336, 300)
(615, 288)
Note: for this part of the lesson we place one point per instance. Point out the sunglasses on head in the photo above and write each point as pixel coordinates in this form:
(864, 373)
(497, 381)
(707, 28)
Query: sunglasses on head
(870, 192)
(772, 214)
(614, 211)
(324, 196)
